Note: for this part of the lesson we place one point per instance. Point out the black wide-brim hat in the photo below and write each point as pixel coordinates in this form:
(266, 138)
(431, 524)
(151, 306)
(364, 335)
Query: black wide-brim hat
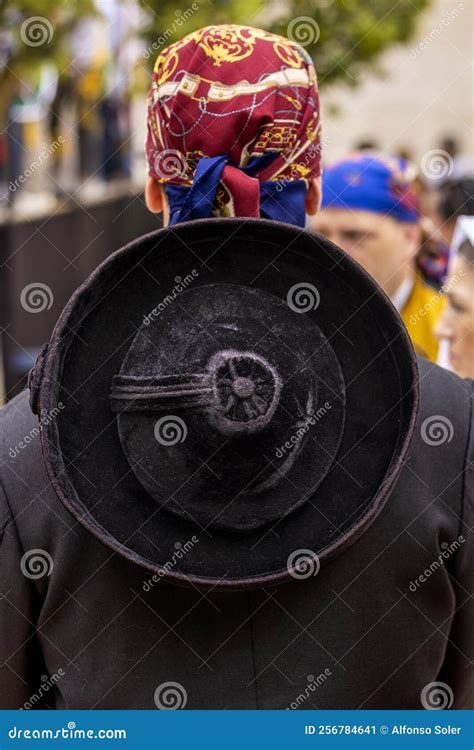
(226, 403)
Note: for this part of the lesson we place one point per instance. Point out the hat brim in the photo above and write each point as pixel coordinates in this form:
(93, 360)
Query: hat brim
(81, 445)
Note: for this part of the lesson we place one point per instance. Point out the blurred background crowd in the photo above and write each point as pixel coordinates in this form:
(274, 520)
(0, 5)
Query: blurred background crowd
(395, 82)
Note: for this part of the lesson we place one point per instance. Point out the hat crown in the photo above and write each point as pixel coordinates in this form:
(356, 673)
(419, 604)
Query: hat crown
(207, 393)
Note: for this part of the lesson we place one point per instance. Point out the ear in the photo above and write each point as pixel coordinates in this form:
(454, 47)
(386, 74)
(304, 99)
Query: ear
(412, 237)
(154, 196)
(313, 196)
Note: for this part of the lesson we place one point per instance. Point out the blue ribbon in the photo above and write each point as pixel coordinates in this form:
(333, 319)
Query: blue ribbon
(282, 200)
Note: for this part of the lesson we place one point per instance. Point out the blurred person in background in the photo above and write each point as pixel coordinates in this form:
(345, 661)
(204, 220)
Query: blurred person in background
(455, 198)
(460, 162)
(370, 209)
(457, 321)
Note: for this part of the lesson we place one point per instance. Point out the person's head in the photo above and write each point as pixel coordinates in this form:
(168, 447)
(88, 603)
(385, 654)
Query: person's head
(370, 210)
(455, 199)
(457, 322)
(365, 145)
(450, 145)
(233, 128)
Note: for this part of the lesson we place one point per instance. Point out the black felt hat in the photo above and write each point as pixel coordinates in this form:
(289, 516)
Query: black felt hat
(232, 399)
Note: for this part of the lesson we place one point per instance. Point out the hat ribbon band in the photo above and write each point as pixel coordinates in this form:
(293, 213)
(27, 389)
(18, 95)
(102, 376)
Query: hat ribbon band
(184, 391)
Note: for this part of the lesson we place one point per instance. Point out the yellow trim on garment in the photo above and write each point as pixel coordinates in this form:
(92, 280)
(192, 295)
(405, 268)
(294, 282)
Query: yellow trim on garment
(421, 314)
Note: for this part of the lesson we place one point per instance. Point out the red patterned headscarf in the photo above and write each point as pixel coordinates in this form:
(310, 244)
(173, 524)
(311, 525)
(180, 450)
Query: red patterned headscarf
(233, 125)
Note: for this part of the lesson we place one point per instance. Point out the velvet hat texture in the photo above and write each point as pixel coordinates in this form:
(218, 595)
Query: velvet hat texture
(232, 402)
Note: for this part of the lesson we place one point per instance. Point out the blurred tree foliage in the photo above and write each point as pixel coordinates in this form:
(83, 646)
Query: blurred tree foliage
(342, 36)
(32, 32)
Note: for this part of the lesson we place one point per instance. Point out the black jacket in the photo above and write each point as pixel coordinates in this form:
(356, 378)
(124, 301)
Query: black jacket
(377, 625)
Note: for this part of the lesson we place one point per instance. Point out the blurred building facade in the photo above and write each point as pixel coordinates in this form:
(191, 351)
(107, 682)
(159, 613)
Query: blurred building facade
(424, 96)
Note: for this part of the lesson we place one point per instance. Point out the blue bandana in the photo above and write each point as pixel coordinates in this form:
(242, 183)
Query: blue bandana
(372, 182)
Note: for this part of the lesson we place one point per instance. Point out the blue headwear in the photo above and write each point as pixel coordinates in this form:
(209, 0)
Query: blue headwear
(374, 182)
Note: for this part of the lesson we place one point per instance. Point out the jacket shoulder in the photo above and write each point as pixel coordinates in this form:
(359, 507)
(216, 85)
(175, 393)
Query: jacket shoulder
(443, 392)
(15, 418)
(22, 472)
(18, 427)
(443, 445)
